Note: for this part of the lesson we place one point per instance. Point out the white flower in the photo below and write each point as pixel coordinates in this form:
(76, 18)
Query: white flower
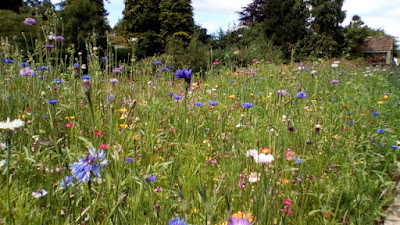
(239, 125)
(52, 36)
(254, 177)
(40, 193)
(334, 65)
(2, 162)
(264, 158)
(252, 153)
(11, 125)
(284, 118)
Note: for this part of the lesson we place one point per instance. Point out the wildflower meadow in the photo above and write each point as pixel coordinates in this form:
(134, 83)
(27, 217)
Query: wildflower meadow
(89, 139)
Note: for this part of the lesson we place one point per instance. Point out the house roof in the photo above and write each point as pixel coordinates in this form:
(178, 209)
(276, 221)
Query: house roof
(378, 44)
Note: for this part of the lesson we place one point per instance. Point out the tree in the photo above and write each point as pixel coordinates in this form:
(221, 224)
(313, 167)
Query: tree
(176, 18)
(142, 20)
(326, 36)
(253, 13)
(12, 5)
(83, 18)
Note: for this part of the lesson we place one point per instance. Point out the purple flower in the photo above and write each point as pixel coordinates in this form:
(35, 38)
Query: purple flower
(86, 77)
(49, 46)
(170, 95)
(301, 94)
(53, 102)
(247, 105)
(334, 82)
(157, 63)
(29, 21)
(238, 221)
(281, 92)
(186, 74)
(88, 165)
(60, 38)
(291, 129)
(113, 81)
(7, 60)
(26, 72)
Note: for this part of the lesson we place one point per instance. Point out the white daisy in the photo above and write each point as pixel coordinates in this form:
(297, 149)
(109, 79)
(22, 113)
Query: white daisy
(11, 125)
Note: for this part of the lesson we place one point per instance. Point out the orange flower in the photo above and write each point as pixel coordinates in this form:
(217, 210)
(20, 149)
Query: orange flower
(232, 96)
(327, 214)
(285, 181)
(239, 215)
(123, 126)
(266, 150)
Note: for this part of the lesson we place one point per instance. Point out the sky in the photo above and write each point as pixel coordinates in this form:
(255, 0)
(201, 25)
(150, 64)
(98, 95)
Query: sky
(216, 14)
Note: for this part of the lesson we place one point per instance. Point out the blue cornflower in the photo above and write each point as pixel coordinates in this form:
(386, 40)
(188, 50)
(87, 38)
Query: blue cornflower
(76, 65)
(380, 131)
(198, 104)
(350, 122)
(7, 60)
(58, 81)
(373, 113)
(298, 160)
(176, 221)
(42, 68)
(170, 95)
(185, 73)
(301, 94)
(259, 93)
(394, 147)
(41, 77)
(232, 81)
(104, 58)
(164, 69)
(247, 105)
(109, 97)
(334, 100)
(86, 77)
(178, 97)
(170, 68)
(157, 63)
(24, 64)
(150, 178)
(66, 182)
(129, 159)
(53, 102)
(158, 76)
(88, 165)
(213, 103)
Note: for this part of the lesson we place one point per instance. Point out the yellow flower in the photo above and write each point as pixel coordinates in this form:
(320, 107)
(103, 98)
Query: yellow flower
(265, 150)
(122, 110)
(275, 220)
(385, 96)
(70, 117)
(208, 158)
(123, 126)
(232, 96)
(143, 102)
(195, 210)
(251, 95)
(195, 84)
(205, 84)
(217, 86)
(380, 102)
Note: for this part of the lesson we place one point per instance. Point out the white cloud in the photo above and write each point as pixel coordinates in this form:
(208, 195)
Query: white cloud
(384, 14)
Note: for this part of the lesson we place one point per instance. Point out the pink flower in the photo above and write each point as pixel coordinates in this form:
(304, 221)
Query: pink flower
(287, 202)
(288, 211)
(103, 146)
(158, 189)
(290, 154)
(68, 125)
